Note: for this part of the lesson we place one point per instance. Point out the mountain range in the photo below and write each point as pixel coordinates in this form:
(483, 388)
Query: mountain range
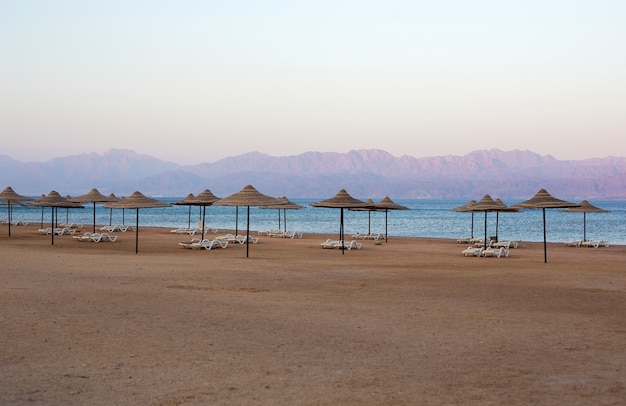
(371, 173)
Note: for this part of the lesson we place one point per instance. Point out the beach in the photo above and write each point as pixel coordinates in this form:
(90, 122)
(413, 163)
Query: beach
(411, 321)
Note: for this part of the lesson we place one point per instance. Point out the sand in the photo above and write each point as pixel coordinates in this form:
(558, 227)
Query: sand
(411, 321)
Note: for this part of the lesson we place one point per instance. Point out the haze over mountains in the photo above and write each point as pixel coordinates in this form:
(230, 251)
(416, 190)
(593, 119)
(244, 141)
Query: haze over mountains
(369, 173)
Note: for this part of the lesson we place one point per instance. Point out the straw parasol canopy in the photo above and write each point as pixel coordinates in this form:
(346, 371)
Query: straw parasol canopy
(544, 200)
(54, 200)
(248, 196)
(9, 196)
(204, 199)
(466, 208)
(584, 208)
(136, 201)
(94, 196)
(387, 204)
(342, 200)
(284, 204)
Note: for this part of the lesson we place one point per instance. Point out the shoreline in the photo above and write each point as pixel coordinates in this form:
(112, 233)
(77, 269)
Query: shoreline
(410, 321)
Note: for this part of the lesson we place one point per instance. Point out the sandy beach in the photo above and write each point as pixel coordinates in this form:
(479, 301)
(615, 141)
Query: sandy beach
(408, 322)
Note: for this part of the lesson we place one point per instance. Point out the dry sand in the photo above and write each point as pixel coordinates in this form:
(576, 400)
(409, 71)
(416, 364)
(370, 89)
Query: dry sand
(408, 322)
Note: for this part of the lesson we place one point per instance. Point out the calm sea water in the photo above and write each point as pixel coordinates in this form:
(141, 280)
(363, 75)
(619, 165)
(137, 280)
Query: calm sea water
(427, 218)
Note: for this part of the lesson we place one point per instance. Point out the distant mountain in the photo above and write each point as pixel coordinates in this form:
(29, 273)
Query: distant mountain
(363, 173)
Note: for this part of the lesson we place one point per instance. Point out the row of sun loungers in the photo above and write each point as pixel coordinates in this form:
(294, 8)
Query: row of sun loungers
(112, 229)
(472, 251)
(336, 244)
(470, 240)
(280, 234)
(15, 222)
(57, 231)
(494, 249)
(221, 241)
(587, 243)
(284, 234)
(189, 231)
(96, 237)
(206, 244)
(367, 236)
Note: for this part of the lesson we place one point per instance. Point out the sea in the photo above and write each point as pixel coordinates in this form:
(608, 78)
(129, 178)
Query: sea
(426, 218)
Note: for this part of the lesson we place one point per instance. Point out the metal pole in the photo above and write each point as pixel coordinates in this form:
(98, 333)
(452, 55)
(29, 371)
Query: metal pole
(9, 216)
(94, 217)
(137, 231)
(248, 233)
(545, 245)
(341, 233)
(584, 226)
(386, 213)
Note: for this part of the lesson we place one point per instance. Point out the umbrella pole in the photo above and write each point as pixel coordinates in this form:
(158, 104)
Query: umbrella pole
(545, 245)
(189, 218)
(279, 227)
(94, 217)
(41, 225)
(137, 231)
(472, 232)
(285, 219)
(485, 240)
(52, 223)
(341, 233)
(497, 222)
(236, 220)
(110, 217)
(584, 226)
(386, 214)
(369, 222)
(9, 216)
(248, 233)
(203, 220)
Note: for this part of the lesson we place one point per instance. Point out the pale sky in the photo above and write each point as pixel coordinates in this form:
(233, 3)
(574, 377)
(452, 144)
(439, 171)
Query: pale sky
(196, 81)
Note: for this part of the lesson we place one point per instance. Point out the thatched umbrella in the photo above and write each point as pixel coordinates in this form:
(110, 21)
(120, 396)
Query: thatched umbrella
(544, 200)
(10, 197)
(136, 201)
(284, 204)
(186, 202)
(248, 196)
(94, 196)
(342, 200)
(387, 204)
(584, 208)
(204, 199)
(486, 204)
(467, 207)
(54, 200)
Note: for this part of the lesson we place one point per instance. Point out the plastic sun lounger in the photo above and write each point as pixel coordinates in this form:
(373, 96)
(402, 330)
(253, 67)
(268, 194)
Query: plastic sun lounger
(84, 237)
(506, 244)
(472, 251)
(573, 243)
(352, 244)
(328, 244)
(108, 237)
(495, 252)
(594, 243)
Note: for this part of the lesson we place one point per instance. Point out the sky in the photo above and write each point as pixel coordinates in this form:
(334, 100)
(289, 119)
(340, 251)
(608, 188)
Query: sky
(197, 81)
